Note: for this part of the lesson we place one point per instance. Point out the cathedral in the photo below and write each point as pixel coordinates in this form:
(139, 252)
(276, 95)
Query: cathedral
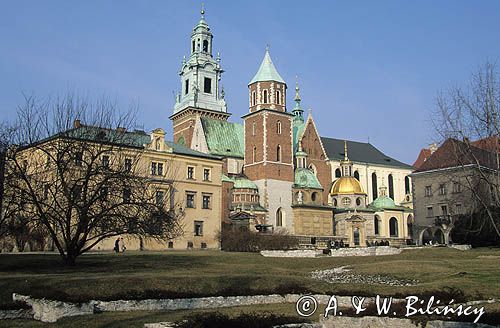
(279, 173)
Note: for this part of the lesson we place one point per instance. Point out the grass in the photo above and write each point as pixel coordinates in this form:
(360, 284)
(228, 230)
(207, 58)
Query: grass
(139, 275)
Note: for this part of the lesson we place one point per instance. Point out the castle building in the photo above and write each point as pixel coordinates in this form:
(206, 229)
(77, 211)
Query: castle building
(277, 167)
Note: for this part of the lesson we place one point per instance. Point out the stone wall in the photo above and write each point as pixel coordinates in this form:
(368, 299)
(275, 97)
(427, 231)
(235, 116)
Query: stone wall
(341, 252)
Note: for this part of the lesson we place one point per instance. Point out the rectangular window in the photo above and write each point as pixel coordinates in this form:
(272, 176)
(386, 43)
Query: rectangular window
(444, 209)
(206, 174)
(428, 191)
(198, 228)
(206, 201)
(160, 168)
(153, 168)
(160, 195)
(105, 161)
(207, 85)
(430, 212)
(190, 173)
(442, 189)
(190, 200)
(457, 188)
(458, 208)
(186, 87)
(127, 195)
(79, 158)
(128, 164)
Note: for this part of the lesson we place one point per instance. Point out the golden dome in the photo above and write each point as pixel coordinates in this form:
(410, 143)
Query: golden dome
(346, 186)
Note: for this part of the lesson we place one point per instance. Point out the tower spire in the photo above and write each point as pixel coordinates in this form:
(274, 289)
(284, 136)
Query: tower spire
(346, 158)
(346, 164)
(297, 111)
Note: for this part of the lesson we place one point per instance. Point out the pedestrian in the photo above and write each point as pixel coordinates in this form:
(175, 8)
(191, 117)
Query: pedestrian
(117, 245)
(123, 245)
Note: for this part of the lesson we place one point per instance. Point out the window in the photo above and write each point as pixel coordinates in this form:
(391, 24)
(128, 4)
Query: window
(374, 186)
(206, 174)
(358, 201)
(407, 185)
(430, 212)
(190, 200)
(154, 169)
(278, 97)
(279, 217)
(334, 202)
(264, 95)
(278, 127)
(346, 201)
(198, 228)
(457, 188)
(428, 191)
(190, 173)
(442, 189)
(78, 159)
(376, 223)
(170, 244)
(337, 173)
(160, 168)
(254, 154)
(206, 202)
(207, 85)
(205, 46)
(193, 46)
(105, 161)
(254, 98)
(393, 227)
(253, 128)
(278, 153)
(186, 86)
(356, 175)
(444, 209)
(127, 195)
(391, 186)
(160, 195)
(314, 196)
(128, 164)
(458, 208)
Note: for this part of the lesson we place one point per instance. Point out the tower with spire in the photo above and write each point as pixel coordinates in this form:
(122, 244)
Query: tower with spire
(201, 91)
(298, 112)
(268, 142)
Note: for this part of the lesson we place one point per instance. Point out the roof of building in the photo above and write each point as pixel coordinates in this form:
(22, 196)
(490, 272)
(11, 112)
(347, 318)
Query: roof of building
(305, 178)
(223, 138)
(386, 203)
(360, 152)
(491, 144)
(424, 154)
(240, 182)
(346, 185)
(135, 139)
(267, 71)
(453, 153)
(297, 129)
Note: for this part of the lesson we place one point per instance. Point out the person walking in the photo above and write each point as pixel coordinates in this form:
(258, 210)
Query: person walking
(117, 245)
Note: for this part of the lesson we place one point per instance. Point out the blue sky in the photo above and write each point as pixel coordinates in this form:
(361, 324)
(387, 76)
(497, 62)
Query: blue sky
(368, 69)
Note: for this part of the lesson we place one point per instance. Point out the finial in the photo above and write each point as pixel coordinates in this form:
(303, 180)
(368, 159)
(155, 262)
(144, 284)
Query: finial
(297, 89)
(183, 59)
(202, 11)
(267, 47)
(346, 158)
(218, 57)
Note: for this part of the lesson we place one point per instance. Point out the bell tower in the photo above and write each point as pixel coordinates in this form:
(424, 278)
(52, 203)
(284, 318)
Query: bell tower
(201, 91)
(268, 143)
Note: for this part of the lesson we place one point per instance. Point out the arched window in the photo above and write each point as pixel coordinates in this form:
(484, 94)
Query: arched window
(337, 173)
(279, 217)
(278, 153)
(407, 185)
(254, 154)
(358, 201)
(376, 222)
(254, 98)
(314, 196)
(374, 186)
(334, 202)
(391, 186)
(393, 227)
(278, 127)
(278, 97)
(356, 175)
(264, 96)
(205, 46)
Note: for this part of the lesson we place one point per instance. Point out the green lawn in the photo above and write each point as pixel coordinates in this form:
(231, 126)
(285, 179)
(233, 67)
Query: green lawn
(204, 273)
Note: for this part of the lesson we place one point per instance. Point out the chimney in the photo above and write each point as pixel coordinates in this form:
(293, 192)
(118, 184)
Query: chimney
(77, 124)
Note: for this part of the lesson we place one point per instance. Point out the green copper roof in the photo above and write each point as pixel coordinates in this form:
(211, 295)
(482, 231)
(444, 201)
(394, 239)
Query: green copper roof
(267, 71)
(298, 129)
(386, 203)
(223, 138)
(305, 178)
(240, 182)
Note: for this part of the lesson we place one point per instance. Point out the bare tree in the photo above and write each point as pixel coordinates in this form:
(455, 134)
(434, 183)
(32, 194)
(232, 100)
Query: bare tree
(76, 173)
(468, 114)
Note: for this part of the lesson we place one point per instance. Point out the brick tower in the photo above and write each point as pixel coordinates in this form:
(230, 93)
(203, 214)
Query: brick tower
(268, 144)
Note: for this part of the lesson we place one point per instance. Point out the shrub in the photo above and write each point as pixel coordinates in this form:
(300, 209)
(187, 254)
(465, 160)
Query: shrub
(247, 241)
